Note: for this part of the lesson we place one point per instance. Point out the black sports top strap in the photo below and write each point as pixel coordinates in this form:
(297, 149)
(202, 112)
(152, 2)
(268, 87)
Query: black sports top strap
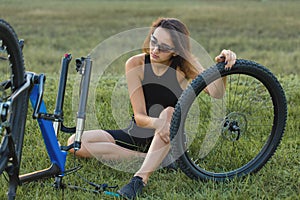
(147, 59)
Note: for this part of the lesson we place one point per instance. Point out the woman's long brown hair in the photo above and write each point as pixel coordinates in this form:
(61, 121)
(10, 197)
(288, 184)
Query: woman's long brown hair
(180, 37)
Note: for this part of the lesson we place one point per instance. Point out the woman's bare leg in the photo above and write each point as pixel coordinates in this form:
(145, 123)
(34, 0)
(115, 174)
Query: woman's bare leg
(157, 151)
(101, 145)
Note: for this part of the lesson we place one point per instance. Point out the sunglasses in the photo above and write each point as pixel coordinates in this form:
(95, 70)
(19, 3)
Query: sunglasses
(161, 47)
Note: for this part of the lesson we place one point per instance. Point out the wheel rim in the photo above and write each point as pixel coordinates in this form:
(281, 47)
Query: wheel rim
(232, 132)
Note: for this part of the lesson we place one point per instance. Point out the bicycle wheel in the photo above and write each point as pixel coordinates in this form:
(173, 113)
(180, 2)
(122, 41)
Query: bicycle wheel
(219, 139)
(12, 77)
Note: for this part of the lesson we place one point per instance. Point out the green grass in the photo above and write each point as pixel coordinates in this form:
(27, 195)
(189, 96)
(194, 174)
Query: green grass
(264, 31)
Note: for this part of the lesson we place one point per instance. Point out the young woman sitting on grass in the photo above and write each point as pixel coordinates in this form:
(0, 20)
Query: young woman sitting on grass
(156, 79)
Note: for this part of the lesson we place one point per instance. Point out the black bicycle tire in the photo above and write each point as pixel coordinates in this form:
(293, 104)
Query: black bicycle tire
(19, 107)
(181, 109)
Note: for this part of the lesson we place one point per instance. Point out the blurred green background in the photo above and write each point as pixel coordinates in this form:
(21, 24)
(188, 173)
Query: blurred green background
(265, 31)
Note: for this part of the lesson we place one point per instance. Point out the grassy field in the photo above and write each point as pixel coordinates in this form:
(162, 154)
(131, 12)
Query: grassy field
(264, 31)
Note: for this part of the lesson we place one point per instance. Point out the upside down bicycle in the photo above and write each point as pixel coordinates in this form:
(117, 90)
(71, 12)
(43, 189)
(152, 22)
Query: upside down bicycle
(212, 139)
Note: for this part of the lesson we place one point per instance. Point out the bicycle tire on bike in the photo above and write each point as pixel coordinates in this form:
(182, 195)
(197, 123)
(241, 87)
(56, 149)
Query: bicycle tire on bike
(12, 77)
(219, 139)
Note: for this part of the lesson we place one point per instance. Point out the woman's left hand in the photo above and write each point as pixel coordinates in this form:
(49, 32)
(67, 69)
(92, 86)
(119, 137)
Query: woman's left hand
(227, 56)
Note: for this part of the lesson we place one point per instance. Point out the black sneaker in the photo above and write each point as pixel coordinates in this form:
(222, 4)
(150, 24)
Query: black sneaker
(133, 188)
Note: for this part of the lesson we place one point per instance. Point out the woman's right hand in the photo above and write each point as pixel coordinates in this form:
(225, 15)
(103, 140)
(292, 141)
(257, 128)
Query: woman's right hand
(227, 56)
(163, 124)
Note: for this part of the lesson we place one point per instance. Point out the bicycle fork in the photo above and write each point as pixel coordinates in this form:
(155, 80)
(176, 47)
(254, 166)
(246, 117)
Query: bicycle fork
(85, 71)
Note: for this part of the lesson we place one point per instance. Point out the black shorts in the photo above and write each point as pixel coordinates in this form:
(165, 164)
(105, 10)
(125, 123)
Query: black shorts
(133, 137)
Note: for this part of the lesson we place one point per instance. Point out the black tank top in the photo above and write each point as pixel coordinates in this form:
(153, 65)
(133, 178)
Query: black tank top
(160, 91)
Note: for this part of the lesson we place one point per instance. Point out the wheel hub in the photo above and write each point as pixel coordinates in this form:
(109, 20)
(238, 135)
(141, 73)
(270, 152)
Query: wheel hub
(234, 126)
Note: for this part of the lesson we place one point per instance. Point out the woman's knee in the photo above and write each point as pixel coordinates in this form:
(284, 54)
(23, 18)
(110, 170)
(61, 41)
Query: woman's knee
(167, 113)
(83, 151)
(169, 110)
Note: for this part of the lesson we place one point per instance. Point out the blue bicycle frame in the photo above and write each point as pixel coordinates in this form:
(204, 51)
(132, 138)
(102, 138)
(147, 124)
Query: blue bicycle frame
(50, 124)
